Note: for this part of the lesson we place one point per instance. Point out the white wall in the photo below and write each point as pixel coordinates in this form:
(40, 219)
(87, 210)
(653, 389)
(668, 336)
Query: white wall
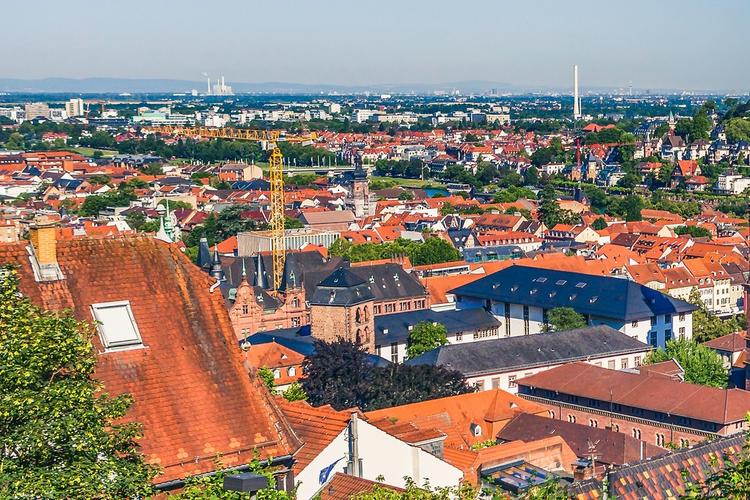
(381, 455)
(505, 378)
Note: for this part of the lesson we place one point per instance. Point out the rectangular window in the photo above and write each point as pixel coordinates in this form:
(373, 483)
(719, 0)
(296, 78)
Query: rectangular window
(637, 361)
(634, 324)
(667, 318)
(496, 382)
(623, 363)
(116, 324)
(682, 332)
(653, 338)
(295, 321)
(525, 320)
(545, 318)
(459, 336)
(512, 381)
(507, 320)
(611, 364)
(394, 352)
(480, 385)
(377, 350)
(667, 335)
(653, 320)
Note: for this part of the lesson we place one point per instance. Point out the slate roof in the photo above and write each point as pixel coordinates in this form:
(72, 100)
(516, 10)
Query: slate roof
(599, 296)
(613, 448)
(454, 321)
(528, 351)
(191, 390)
(389, 281)
(341, 288)
(665, 476)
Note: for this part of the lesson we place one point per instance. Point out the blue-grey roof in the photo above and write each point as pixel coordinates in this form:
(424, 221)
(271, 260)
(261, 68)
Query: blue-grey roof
(600, 296)
(454, 322)
(300, 340)
(528, 351)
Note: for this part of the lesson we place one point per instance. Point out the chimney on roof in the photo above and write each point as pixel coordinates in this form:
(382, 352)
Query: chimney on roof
(43, 237)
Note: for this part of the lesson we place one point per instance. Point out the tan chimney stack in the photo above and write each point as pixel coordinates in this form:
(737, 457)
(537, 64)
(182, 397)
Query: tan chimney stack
(43, 236)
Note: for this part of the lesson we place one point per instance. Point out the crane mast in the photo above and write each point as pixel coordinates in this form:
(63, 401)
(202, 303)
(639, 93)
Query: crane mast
(278, 246)
(269, 138)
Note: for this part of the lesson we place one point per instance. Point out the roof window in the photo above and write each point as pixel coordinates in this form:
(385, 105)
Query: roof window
(116, 325)
(560, 282)
(541, 279)
(580, 284)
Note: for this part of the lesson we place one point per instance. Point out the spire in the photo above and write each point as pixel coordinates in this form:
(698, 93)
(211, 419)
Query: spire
(162, 234)
(167, 223)
(244, 271)
(260, 270)
(204, 254)
(216, 271)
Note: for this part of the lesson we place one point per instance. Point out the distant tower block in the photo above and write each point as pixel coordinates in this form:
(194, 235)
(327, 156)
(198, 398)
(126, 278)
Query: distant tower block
(576, 96)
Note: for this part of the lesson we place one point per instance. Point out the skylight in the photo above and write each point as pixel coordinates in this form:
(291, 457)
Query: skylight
(541, 279)
(116, 325)
(560, 282)
(580, 284)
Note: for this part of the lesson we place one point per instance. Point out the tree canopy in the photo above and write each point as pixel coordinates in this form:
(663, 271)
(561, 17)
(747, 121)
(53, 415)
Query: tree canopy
(432, 251)
(341, 374)
(564, 318)
(425, 336)
(60, 432)
(702, 364)
(707, 326)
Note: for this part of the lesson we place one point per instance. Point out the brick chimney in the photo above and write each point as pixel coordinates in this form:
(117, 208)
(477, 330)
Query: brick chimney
(43, 238)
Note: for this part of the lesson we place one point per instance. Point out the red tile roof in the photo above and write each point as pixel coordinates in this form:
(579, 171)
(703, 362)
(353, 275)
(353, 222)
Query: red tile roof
(343, 487)
(191, 390)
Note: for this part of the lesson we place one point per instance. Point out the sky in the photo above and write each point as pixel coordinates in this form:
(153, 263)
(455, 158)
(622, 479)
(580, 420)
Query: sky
(651, 44)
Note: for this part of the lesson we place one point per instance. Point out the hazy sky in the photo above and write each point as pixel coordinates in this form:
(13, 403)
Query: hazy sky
(688, 44)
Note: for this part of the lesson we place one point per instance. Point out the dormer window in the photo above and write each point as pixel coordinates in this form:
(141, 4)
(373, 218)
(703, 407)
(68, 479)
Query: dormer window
(116, 325)
(476, 429)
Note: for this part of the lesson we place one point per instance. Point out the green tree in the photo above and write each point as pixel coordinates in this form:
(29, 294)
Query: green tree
(599, 224)
(708, 326)
(212, 487)
(564, 318)
(702, 364)
(294, 392)
(266, 376)
(425, 336)
(694, 231)
(62, 436)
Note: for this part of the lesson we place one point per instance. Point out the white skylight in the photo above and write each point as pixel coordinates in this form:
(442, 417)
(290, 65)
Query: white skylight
(116, 325)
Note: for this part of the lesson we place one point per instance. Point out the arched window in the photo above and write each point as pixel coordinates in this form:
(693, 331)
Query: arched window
(295, 302)
(358, 316)
(367, 314)
(367, 334)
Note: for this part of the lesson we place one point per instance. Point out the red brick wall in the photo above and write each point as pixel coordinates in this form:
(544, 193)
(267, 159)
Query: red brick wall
(329, 323)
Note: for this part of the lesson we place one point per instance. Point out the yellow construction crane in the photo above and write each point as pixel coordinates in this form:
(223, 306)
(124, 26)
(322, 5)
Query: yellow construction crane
(270, 140)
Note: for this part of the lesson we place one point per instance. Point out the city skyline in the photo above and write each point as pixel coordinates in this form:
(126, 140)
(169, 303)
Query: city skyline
(333, 43)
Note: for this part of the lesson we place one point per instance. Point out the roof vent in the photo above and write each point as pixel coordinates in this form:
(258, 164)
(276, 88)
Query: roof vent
(552, 294)
(410, 327)
(593, 299)
(514, 288)
(533, 291)
(573, 297)
(385, 331)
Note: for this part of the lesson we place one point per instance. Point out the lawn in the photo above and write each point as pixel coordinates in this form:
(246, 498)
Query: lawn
(408, 183)
(89, 152)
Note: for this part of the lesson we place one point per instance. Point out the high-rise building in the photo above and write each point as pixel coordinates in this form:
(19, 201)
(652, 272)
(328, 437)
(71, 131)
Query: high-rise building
(576, 96)
(36, 110)
(74, 107)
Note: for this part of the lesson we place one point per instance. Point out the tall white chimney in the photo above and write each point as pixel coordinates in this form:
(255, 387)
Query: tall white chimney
(208, 85)
(576, 98)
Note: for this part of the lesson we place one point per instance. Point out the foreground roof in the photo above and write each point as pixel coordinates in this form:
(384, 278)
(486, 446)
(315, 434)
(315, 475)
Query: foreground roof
(665, 476)
(528, 351)
(600, 296)
(191, 391)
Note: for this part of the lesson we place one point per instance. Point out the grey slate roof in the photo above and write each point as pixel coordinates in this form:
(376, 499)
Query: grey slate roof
(390, 281)
(342, 288)
(599, 296)
(528, 351)
(454, 322)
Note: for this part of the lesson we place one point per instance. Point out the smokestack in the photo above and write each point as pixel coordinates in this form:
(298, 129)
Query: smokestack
(576, 98)
(208, 85)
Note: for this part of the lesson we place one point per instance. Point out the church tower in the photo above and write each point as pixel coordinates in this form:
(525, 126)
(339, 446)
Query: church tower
(360, 190)
(341, 307)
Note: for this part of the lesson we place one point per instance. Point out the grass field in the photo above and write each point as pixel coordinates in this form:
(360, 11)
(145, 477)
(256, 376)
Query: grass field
(89, 152)
(408, 183)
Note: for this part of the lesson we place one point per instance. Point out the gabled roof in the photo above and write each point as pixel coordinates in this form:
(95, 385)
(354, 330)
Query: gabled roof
(316, 428)
(613, 448)
(191, 389)
(599, 296)
(527, 351)
(344, 487)
(656, 393)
